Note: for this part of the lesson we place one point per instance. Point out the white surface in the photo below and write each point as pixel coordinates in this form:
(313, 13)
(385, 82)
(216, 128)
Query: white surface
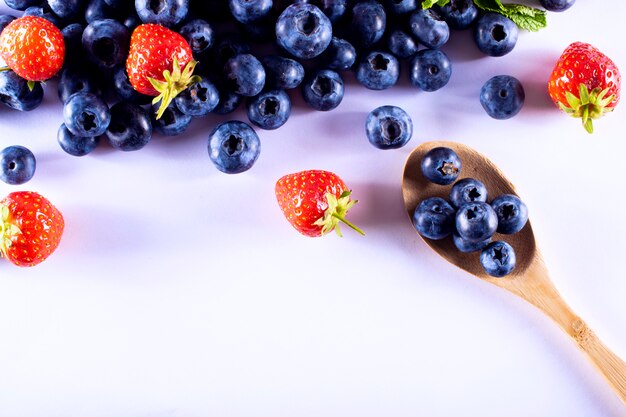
(180, 291)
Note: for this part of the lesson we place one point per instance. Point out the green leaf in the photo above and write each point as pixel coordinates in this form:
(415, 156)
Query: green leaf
(427, 4)
(525, 17)
(490, 5)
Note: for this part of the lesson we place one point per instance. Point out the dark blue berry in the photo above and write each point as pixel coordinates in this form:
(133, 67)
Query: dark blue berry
(99, 10)
(130, 128)
(86, 115)
(66, 9)
(498, 259)
(270, 109)
(557, 5)
(124, 90)
(106, 42)
(340, 55)
(495, 34)
(75, 145)
(459, 14)
(476, 221)
(245, 75)
(233, 147)
(323, 90)
(227, 46)
(22, 4)
(173, 122)
(73, 38)
(388, 127)
(282, 73)
(467, 190)
(401, 44)
(512, 213)
(429, 28)
(441, 165)
(378, 71)
(248, 11)
(78, 79)
(401, 6)
(229, 102)
(303, 30)
(334, 9)
(168, 13)
(368, 23)
(467, 246)
(502, 97)
(200, 36)
(430, 69)
(17, 165)
(434, 218)
(44, 12)
(14, 92)
(198, 99)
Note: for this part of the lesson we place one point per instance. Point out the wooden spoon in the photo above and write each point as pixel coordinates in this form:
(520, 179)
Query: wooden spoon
(530, 279)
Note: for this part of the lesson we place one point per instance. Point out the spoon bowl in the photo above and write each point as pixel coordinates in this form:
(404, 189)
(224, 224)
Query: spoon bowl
(530, 279)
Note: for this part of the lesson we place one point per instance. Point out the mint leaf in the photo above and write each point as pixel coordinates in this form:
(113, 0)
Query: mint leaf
(427, 4)
(525, 17)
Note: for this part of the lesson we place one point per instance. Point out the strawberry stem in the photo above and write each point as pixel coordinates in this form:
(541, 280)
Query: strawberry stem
(589, 105)
(7, 230)
(335, 213)
(347, 223)
(175, 83)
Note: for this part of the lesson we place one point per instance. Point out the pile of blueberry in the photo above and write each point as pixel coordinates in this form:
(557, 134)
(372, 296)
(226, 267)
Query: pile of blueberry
(254, 51)
(467, 216)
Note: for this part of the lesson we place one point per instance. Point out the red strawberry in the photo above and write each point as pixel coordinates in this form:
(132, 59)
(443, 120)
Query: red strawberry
(160, 63)
(30, 228)
(314, 202)
(585, 83)
(32, 47)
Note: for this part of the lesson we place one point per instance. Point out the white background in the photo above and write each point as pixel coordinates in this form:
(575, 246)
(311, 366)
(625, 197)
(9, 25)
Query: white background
(181, 291)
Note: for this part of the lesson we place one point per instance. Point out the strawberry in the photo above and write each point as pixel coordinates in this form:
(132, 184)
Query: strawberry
(314, 202)
(30, 228)
(33, 48)
(585, 83)
(160, 63)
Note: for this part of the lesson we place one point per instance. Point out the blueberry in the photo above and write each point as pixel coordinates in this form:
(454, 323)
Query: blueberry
(303, 30)
(17, 165)
(495, 34)
(172, 123)
(502, 97)
(498, 259)
(248, 11)
(430, 69)
(334, 9)
(378, 71)
(73, 38)
(22, 4)
(78, 79)
(441, 165)
(234, 147)
(66, 9)
(121, 5)
(44, 12)
(245, 74)
(368, 23)
(270, 109)
(86, 115)
(476, 221)
(14, 92)
(340, 55)
(163, 12)
(106, 42)
(467, 190)
(75, 145)
(198, 99)
(227, 46)
(130, 128)
(99, 10)
(434, 218)
(323, 90)
(282, 73)
(512, 213)
(467, 246)
(229, 102)
(124, 90)
(388, 127)
(459, 14)
(401, 44)
(401, 6)
(557, 5)
(199, 34)
(429, 28)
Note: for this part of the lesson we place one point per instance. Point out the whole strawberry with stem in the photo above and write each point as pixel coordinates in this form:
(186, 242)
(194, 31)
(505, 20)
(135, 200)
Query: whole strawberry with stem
(315, 202)
(33, 47)
(160, 64)
(585, 83)
(30, 228)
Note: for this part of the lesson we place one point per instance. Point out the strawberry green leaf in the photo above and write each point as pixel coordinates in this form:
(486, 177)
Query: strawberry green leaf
(175, 83)
(336, 212)
(7, 230)
(525, 17)
(427, 4)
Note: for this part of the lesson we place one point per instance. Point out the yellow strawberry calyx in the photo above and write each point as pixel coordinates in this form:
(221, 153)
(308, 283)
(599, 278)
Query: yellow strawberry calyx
(336, 212)
(588, 106)
(175, 83)
(7, 230)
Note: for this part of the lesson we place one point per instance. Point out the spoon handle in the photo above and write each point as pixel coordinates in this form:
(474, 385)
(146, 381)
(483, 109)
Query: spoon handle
(536, 288)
